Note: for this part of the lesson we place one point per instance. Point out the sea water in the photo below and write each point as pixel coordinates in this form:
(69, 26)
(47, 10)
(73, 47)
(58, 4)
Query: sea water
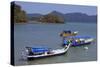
(47, 36)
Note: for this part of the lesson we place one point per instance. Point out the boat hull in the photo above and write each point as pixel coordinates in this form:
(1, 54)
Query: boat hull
(56, 52)
(32, 58)
(81, 44)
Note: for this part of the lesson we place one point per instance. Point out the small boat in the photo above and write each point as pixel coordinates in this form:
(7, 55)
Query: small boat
(78, 40)
(83, 42)
(68, 33)
(33, 53)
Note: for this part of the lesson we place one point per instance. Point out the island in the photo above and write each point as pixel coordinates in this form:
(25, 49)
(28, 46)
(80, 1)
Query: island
(20, 16)
(59, 17)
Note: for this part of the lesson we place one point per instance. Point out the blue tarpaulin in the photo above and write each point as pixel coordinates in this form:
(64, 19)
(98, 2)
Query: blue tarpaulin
(39, 49)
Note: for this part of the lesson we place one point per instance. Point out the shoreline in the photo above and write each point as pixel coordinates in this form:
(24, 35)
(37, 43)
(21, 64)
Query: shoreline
(35, 22)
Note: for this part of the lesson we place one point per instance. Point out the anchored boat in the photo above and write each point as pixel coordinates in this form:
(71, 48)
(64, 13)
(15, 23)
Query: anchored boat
(68, 33)
(68, 40)
(33, 53)
(78, 40)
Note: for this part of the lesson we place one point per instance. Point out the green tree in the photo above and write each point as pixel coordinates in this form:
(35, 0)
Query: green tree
(19, 14)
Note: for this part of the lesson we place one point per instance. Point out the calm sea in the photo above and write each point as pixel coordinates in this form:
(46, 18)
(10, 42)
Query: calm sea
(47, 35)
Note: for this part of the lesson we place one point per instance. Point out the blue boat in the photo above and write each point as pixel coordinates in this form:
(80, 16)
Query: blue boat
(78, 40)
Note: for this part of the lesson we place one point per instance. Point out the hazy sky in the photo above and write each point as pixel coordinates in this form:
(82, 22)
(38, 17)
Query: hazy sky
(44, 8)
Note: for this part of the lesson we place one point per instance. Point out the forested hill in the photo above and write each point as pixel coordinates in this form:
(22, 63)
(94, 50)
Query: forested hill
(68, 17)
(18, 14)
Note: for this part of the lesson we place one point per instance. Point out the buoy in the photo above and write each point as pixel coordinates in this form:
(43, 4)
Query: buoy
(86, 48)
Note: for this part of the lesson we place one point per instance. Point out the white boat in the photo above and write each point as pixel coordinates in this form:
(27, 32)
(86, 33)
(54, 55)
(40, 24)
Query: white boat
(48, 54)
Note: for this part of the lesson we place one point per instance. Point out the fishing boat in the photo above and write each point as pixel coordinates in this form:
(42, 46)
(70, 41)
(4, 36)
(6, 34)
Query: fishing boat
(68, 33)
(78, 40)
(33, 53)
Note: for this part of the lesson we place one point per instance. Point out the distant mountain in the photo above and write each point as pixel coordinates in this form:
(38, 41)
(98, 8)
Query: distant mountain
(80, 17)
(35, 15)
(57, 13)
(53, 17)
(69, 17)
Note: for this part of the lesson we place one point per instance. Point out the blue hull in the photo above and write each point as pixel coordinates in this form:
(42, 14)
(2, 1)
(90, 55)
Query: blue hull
(81, 44)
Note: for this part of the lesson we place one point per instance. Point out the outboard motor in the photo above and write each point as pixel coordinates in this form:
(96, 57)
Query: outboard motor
(29, 50)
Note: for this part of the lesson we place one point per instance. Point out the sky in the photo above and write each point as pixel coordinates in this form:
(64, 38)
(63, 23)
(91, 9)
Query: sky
(45, 8)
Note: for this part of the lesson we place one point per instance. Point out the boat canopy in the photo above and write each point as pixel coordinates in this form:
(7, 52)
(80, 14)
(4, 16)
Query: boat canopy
(40, 49)
(77, 37)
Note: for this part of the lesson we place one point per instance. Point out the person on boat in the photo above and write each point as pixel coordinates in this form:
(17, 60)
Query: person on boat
(67, 42)
(78, 40)
(74, 42)
(49, 51)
